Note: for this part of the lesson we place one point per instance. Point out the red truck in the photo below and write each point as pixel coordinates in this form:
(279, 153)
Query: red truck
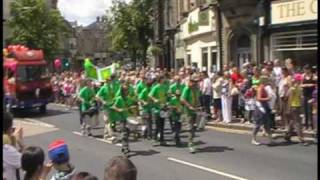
(26, 79)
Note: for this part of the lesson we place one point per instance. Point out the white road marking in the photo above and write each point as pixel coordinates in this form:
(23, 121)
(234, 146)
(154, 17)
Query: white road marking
(206, 169)
(77, 133)
(98, 139)
(38, 122)
(63, 105)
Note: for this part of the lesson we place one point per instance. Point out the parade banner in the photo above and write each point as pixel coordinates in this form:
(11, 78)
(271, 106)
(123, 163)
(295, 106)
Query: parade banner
(105, 73)
(90, 70)
(99, 74)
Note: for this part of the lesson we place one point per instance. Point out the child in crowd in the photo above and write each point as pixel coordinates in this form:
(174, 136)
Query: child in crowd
(59, 156)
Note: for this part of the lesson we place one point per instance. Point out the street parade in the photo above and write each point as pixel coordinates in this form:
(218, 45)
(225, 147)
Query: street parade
(161, 90)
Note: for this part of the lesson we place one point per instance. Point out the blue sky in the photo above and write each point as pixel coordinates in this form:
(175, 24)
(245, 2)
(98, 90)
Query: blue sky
(83, 11)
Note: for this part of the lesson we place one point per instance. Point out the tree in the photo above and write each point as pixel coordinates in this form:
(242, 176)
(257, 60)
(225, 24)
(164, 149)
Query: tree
(37, 26)
(132, 28)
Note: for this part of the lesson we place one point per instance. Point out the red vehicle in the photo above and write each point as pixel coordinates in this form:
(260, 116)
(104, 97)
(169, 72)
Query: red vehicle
(26, 79)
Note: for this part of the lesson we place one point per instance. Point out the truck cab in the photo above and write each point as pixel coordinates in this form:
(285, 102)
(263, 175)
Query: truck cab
(26, 80)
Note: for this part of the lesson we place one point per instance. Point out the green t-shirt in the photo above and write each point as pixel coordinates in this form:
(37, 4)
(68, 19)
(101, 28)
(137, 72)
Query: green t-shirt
(120, 103)
(144, 96)
(166, 85)
(140, 86)
(131, 100)
(192, 97)
(114, 87)
(176, 112)
(158, 92)
(87, 94)
(105, 94)
(173, 88)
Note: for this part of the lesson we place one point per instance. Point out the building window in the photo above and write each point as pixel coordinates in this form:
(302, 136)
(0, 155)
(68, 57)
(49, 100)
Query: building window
(300, 46)
(205, 57)
(189, 59)
(214, 62)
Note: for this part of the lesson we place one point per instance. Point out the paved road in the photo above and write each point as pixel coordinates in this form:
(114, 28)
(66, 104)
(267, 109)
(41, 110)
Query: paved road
(221, 155)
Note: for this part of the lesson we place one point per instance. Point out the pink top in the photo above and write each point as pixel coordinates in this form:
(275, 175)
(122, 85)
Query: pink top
(67, 88)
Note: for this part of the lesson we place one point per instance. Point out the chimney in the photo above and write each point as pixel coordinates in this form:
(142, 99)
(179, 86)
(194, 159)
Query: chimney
(98, 19)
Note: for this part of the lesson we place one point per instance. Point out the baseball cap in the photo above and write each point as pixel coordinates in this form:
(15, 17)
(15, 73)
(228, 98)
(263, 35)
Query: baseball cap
(58, 152)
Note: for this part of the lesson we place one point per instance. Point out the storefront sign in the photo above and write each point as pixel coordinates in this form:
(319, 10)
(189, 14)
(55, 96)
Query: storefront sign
(293, 11)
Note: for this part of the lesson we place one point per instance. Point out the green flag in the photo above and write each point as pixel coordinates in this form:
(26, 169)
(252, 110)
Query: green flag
(90, 69)
(106, 72)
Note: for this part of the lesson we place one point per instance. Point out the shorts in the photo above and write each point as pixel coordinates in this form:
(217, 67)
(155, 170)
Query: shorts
(217, 104)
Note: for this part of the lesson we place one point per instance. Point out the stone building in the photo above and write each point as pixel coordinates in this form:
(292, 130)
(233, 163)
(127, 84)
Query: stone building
(92, 41)
(245, 31)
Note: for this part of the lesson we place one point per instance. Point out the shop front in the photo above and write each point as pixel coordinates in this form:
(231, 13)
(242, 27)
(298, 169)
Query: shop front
(293, 31)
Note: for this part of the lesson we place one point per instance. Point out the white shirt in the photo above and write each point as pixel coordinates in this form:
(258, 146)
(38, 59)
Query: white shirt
(278, 73)
(206, 87)
(216, 87)
(11, 161)
(271, 94)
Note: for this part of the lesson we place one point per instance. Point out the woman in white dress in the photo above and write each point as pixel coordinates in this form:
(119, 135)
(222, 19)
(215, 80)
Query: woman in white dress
(226, 98)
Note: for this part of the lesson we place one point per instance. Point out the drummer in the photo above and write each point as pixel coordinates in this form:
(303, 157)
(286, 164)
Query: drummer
(190, 98)
(175, 115)
(146, 108)
(120, 111)
(159, 99)
(105, 96)
(86, 96)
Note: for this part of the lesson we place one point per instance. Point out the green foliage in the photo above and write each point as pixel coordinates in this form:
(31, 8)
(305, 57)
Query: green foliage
(193, 26)
(155, 50)
(132, 27)
(204, 18)
(36, 26)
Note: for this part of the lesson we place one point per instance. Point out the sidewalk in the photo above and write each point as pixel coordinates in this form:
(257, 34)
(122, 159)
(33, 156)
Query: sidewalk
(248, 127)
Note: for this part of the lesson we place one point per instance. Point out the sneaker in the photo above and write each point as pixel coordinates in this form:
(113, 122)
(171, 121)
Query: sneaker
(192, 148)
(254, 142)
(125, 151)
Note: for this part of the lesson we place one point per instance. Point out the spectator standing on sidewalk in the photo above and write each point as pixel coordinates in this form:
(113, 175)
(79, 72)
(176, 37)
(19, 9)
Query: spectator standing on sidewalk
(206, 92)
(295, 103)
(216, 87)
(284, 85)
(314, 103)
(237, 80)
(308, 85)
(226, 98)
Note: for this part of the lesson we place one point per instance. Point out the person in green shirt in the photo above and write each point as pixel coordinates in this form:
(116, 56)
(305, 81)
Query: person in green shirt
(87, 97)
(140, 85)
(190, 98)
(175, 115)
(104, 95)
(114, 85)
(176, 85)
(146, 108)
(158, 96)
(120, 111)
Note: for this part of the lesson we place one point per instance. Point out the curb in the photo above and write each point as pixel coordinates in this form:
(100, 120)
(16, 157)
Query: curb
(249, 127)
